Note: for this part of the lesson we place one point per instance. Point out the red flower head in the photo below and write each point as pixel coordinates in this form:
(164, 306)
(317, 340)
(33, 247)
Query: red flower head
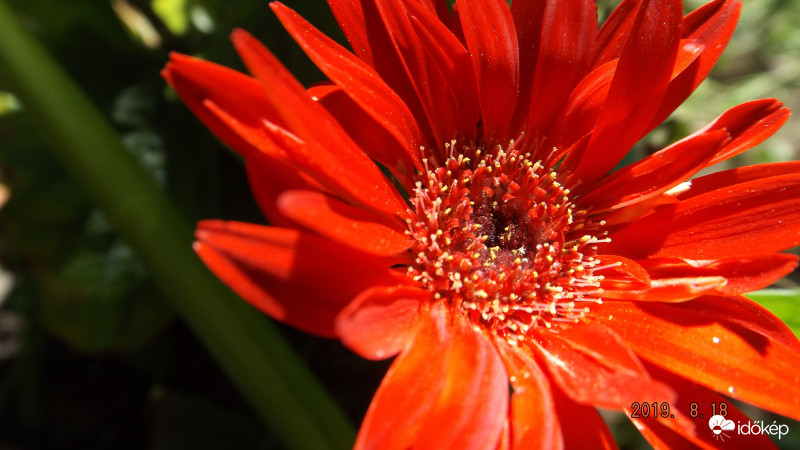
(449, 197)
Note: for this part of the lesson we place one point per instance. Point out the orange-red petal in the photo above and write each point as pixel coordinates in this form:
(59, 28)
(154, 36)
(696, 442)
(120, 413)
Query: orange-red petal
(671, 290)
(742, 275)
(358, 80)
(527, 16)
(492, 43)
(750, 218)
(271, 267)
(640, 81)
(621, 273)
(592, 365)
(615, 31)
(368, 134)
(197, 81)
(581, 425)
(726, 178)
(448, 55)
(344, 223)
(656, 173)
(567, 45)
(381, 321)
(708, 28)
(717, 342)
(428, 400)
(328, 152)
(683, 429)
(268, 177)
(532, 420)
(749, 124)
(412, 28)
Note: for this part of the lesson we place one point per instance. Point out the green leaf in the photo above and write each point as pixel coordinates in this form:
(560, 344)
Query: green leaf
(174, 13)
(8, 103)
(102, 302)
(784, 303)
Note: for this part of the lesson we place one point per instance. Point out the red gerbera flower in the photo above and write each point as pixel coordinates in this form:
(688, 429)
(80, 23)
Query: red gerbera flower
(448, 197)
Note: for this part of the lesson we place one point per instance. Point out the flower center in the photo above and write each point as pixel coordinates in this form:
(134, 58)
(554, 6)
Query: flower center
(498, 238)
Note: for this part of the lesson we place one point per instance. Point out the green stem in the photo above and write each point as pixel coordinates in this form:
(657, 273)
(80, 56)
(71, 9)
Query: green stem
(245, 344)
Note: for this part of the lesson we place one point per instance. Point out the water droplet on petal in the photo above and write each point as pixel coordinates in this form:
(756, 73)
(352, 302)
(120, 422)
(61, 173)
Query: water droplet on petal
(715, 339)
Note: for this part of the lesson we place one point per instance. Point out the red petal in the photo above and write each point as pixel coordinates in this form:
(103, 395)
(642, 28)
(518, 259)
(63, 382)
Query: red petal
(567, 43)
(269, 177)
(470, 411)
(742, 275)
(579, 115)
(660, 436)
(492, 43)
(429, 400)
(710, 27)
(532, 419)
(437, 65)
(749, 124)
(370, 40)
(368, 134)
(528, 24)
(277, 150)
(745, 313)
(571, 158)
(455, 24)
(656, 173)
(328, 154)
(581, 425)
(696, 429)
(408, 392)
(352, 20)
(441, 8)
(727, 344)
(282, 272)
(620, 273)
(448, 53)
(592, 365)
(681, 83)
(616, 218)
(670, 290)
(644, 70)
(358, 80)
(201, 84)
(751, 218)
(381, 321)
(739, 175)
(265, 136)
(197, 81)
(343, 223)
(615, 31)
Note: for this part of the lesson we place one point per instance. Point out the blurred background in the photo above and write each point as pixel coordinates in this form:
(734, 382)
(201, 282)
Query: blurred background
(92, 355)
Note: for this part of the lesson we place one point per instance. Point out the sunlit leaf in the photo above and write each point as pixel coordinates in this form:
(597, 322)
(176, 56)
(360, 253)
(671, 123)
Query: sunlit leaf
(784, 303)
(173, 13)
